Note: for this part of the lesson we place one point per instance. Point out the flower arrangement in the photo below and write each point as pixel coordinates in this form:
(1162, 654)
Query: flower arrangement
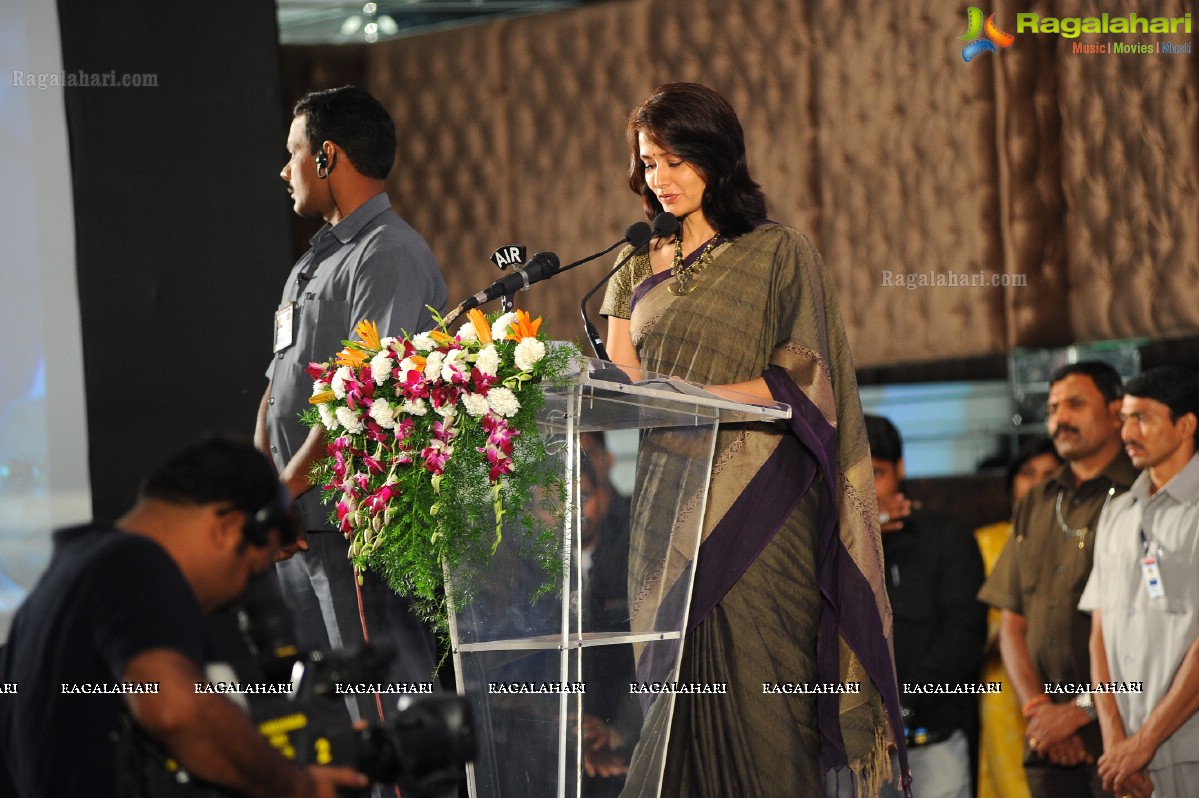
(432, 442)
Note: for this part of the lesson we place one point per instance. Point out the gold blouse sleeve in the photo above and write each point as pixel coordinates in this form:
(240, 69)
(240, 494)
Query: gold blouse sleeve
(619, 294)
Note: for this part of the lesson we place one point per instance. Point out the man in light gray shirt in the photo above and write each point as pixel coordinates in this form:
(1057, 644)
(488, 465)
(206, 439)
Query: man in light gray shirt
(366, 263)
(1143, 596)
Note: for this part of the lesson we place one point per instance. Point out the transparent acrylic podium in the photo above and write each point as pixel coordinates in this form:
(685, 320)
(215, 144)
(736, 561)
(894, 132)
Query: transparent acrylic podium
(567, 680)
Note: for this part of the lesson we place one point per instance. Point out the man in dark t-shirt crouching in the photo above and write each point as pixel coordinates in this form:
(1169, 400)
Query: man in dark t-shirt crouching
(116, 625)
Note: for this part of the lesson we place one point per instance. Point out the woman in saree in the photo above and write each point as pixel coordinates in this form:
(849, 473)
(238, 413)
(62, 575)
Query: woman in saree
(788, 581)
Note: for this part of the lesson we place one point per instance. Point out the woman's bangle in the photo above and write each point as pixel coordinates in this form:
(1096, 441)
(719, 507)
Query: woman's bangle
(1034, 702)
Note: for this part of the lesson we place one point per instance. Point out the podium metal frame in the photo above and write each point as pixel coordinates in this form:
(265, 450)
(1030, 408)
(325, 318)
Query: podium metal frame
(529, 731)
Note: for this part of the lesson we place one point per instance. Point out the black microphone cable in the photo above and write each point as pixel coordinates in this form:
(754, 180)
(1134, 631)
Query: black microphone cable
(665, 224)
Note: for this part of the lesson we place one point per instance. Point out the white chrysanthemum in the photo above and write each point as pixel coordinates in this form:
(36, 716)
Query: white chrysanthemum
(450, 367)
(503, 402)
(388, 342)
(414, 407)
(320, 386)
(475, 404)
(407, 365)
(338, 385)
(350, 420)
(528, 352)
(423, 341)
(381, 367)
(433, 366)
(488, 361)
(446, 411)
(467, 333)
(381, 412)
(327, 417)
(499, 328)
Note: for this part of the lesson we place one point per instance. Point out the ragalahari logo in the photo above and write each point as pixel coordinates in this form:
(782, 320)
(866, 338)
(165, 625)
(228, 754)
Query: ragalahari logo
(983, 37)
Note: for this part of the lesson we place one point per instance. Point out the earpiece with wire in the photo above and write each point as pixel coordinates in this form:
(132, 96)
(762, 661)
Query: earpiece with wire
(324, 166)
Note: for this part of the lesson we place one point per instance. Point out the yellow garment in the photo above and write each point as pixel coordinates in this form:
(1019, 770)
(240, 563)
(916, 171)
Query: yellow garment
(1001, 739)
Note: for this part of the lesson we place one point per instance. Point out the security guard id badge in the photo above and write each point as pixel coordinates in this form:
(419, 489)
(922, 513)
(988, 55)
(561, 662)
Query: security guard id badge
(1152, 574)
(284, 329)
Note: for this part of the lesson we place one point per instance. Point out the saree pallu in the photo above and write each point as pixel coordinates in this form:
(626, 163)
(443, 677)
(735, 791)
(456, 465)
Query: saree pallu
(789, 575)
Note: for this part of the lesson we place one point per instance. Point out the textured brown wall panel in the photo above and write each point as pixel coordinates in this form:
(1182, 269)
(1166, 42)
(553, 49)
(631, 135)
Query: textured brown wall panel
(908, 178)
(1129, 177)
(866, 129)
(447, 96)
(1032, 206)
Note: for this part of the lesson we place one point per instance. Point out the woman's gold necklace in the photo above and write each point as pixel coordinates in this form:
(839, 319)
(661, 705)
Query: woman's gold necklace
(683, 275)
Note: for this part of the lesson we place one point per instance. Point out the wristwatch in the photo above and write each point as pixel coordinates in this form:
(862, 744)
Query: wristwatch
(1084, 702)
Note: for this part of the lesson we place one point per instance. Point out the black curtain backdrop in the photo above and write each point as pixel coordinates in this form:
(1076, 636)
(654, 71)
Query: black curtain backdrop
(182, 225)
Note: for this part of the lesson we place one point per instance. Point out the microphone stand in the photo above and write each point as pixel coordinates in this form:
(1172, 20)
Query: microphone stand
(665, 224)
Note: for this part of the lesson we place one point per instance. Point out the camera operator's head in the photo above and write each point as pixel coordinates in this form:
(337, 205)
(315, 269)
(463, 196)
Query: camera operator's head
(220, 512)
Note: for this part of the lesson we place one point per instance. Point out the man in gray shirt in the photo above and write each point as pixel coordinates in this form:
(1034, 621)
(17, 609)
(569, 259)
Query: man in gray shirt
(1144, 598)
(365, 263)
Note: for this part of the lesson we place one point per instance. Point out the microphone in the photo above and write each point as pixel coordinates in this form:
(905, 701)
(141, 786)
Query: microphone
(665, 224)
(541, 266)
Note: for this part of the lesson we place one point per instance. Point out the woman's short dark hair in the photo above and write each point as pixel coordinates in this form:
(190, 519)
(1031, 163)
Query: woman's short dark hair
(353, 120)
(700, 127)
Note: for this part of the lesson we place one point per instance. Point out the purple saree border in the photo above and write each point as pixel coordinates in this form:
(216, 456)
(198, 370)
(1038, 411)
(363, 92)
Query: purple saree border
(849, 603)
(748, 526)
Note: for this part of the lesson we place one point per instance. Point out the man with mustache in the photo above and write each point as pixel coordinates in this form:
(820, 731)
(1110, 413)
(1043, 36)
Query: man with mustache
(1039, 578)
(1144, 598)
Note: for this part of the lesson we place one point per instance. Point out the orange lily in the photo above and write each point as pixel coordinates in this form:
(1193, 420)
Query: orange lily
(353, 358)
(419, 361)
(479, 322)
(324, 397)
(369, 333)
(523, 328)
(440, 338)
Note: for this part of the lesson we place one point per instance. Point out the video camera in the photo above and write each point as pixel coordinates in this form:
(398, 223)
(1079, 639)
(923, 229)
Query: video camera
(297, 701)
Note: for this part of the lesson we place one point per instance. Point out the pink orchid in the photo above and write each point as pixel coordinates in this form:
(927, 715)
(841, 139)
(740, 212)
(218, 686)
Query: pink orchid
(443, 431)
(499, 433)
(343, 517)
(501, 463)
(412, 385)
(404, 430)
(444, 395)
(435, 455)
(482, 382)
(377, 502)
